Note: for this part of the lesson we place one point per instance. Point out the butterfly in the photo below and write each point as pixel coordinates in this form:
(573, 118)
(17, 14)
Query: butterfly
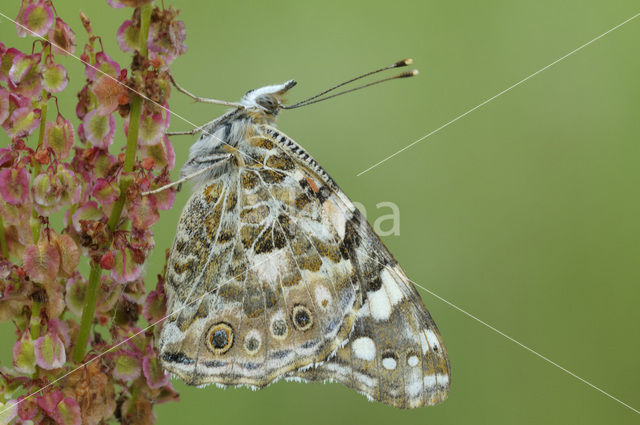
(274, 273)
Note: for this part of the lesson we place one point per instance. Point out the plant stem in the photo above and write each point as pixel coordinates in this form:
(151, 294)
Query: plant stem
(35, 320)
(145, 21)
(87, 313)
(3, 241)
(35, 222)
(114, 218)
(129, 157)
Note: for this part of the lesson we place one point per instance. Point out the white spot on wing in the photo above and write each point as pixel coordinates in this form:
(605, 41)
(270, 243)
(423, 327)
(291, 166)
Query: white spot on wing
(412, 361)
(423, 343)
(364, 348)
(379, 304)
(392, 287)
(414, 387)
(432, 338)
(443, 379)
(430, 381)
(323, 296)
(266, 266)
(389, 363)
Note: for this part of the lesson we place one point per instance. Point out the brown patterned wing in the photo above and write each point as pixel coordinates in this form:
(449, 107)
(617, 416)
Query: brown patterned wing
(253, 293)
(395, 353)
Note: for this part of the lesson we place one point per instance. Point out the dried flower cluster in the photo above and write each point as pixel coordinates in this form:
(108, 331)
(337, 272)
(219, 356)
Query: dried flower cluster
(88, 175)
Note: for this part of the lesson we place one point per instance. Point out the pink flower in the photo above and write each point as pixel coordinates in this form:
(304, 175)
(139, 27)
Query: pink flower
(23, 121)
(105, 191)
(143, 211)
(155, 308)
(74, 294)
(49, 351)
(105, 65)
(87, 211)
(61, 329)
(117, 4)
(7, 62)
(108, 92)
(166, 37)
(68, 412)
(152, 129)
(64, 410)
(99, 130)
(14, 185)
(128, 37)
(27, 408)
(125, 269)
(42, 261)
(24, 358)
(9, 411)
(4, 104)
(21, 66)
(127, 366)
(154, 374)
(59, 136)
(54, 78)
(69, 254)
(37, 17)
(63, 39)
(161, 153)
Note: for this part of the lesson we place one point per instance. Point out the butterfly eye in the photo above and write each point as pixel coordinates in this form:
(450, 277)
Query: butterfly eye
(302, 318)
(267, 102)
(220, 338)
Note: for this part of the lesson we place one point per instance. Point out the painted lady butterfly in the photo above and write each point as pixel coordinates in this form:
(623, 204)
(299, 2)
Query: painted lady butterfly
(275, 274)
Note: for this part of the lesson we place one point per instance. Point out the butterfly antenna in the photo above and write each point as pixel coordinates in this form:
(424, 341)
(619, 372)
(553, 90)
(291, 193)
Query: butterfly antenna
(314, 99)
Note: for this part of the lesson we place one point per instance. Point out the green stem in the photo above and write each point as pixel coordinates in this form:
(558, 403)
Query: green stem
(3, 241)
(35, 221)
(134, 397)
(87, 313)
(35, 320)
(129, 157)
(114, 218)
(145, 21)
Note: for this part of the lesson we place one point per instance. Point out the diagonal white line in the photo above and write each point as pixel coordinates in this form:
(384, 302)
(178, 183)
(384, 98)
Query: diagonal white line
(142, 95)
(99, 70)
(497, 95)
(375, 165)
(546, 359)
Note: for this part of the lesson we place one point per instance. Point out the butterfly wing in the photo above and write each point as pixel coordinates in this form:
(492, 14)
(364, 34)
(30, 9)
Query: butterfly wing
(395, 353)
(274, 273)
(255, 286)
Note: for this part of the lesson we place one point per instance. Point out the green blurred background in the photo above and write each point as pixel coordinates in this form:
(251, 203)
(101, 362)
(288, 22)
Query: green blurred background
(524, 213)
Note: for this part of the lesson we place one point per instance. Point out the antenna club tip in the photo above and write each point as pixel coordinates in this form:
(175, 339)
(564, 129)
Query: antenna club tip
(408, 74)
(403, 62)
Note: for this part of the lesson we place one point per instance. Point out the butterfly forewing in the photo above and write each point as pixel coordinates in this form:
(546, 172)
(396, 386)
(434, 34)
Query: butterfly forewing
(395, 353)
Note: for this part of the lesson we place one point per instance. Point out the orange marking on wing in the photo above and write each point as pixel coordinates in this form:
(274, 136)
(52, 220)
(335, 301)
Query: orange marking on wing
(313, 184)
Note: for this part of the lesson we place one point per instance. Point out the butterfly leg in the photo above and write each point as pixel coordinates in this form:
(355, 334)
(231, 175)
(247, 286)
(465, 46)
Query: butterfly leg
(206, 127)
(204, 99)
(188, 177)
